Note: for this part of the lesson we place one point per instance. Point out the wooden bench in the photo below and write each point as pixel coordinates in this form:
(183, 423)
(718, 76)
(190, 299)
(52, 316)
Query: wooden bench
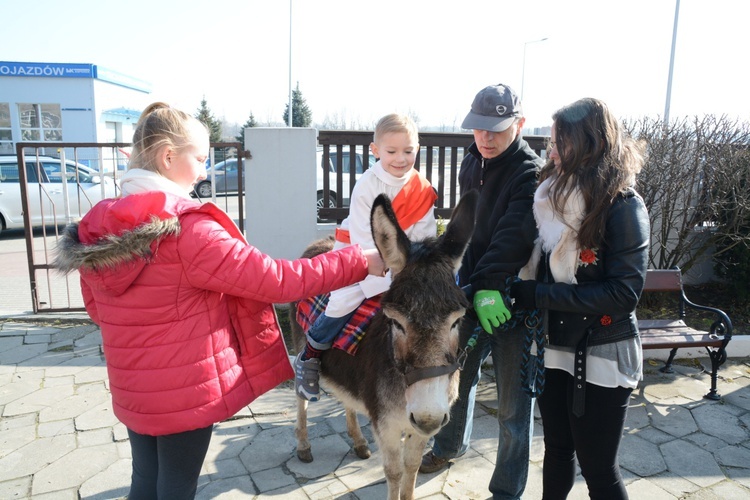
(674, 333)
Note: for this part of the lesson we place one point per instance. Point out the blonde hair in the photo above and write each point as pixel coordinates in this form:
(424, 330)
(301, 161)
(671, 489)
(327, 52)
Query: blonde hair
(159, 125)
(395, 123)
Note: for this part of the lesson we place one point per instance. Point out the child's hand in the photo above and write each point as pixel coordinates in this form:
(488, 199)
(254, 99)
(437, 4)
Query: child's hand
(490, 309)
(375, 264)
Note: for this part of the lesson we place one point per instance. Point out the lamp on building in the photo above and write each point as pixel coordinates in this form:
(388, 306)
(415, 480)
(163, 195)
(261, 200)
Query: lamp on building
(523, 70)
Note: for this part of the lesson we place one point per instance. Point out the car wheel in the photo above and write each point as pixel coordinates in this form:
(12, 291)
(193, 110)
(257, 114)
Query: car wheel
(320, 204)
(204, 189)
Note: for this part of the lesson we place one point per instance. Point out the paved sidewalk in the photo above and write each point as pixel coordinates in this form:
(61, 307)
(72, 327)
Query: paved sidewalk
(60, 440)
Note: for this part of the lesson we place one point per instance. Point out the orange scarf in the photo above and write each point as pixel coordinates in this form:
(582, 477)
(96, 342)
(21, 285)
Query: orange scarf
(412, 203)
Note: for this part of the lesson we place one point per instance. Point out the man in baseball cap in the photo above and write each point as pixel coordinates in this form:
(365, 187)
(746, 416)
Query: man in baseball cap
(494, 108)
(502, 166)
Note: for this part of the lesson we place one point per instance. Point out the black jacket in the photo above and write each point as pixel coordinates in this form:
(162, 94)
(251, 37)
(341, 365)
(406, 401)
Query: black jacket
(505, 228)
(604, 300)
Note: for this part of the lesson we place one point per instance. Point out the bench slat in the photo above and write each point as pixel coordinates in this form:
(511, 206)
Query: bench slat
(670, 334)
(663, 280)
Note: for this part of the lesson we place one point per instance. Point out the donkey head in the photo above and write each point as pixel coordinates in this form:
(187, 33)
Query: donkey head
(424, 307)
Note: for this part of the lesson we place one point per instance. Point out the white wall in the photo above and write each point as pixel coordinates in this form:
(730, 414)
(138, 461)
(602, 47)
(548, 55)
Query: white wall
(280, 187)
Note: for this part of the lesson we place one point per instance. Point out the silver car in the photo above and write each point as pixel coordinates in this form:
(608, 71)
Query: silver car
(48, 203)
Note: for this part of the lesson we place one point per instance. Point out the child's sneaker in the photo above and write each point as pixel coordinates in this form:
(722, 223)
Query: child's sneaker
(306, 379)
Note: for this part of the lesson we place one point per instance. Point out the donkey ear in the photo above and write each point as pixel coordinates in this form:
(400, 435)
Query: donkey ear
(390, 239)
(458, 233)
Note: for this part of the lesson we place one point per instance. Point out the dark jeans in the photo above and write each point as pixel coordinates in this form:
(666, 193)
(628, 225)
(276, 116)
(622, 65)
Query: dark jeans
(167, 467)
(594, 438)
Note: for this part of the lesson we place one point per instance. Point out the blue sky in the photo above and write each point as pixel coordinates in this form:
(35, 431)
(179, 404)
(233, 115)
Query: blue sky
(358, 60)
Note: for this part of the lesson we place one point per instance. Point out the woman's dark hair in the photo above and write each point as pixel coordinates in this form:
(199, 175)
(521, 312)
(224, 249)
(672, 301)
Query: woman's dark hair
(597, 156)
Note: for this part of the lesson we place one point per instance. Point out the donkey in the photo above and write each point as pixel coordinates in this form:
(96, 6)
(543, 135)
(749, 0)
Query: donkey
(404, 375)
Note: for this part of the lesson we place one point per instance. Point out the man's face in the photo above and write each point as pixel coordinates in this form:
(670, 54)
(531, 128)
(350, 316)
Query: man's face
(493, 144)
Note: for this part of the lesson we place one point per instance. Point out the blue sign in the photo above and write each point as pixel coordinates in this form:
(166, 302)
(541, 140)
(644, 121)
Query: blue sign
(59, 70)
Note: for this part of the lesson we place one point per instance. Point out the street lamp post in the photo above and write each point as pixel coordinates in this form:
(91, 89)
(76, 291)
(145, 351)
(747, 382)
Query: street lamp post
(523, 70)
(290, 64)
(671, 64)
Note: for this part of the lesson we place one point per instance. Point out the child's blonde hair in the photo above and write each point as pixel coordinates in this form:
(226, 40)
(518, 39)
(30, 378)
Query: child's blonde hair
(159, 125)
(396, 123)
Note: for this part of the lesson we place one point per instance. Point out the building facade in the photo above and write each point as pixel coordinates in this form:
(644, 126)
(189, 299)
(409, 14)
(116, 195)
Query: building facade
(53, 102)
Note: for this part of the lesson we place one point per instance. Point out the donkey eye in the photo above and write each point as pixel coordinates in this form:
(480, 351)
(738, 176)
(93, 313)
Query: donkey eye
(397, 326)
(456, 323)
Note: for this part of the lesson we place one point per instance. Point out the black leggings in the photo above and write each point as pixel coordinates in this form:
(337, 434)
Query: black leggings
(167, 467)
(594, 438)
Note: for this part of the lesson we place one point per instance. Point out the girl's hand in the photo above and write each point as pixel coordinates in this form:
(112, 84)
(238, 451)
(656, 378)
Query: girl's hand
(375, 264)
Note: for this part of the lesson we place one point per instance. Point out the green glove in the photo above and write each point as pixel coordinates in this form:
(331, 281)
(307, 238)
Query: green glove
(490, 308)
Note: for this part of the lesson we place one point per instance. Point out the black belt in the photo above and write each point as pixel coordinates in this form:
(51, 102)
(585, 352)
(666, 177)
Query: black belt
(615, 332)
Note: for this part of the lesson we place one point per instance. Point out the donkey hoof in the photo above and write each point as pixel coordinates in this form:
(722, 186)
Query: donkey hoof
(305, 455)
(362, 451)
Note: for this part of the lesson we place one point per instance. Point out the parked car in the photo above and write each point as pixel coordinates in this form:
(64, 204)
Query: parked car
(225, 175)
(332, 186)
(47, 201)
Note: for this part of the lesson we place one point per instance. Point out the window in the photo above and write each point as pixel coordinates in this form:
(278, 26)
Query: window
(6, 136)
(40, 122)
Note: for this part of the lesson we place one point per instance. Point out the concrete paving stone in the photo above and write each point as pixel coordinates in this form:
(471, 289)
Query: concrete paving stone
(272, 479)
(19, 388)
(356, 473)
(16, 437)
(123, 450)
(16, 488)
(640, 456)
(72, 406)
(7, 343)
(706, 442)
(324, 488)
(37, 339)
(21, 353)
(287, 493)
(47, 359)
(429, 486)
(672, 419)
(270, 448)
(52, 381)
(692, 463)
(38, 400)
(93, 374)
(740, 476)
(41, 330)
(674, 484)
(91, 339)
(469, 478)
(727, 490)
(56, 428)
(36, 455)
(228, 489)
(720, 421)
(328, 452)
(637, 417)
(112, 482)
(229, 438)
(97, 416)
(739, 397)
(69, 494)
(95, 437)
(643, 488)
(734, 456)
(71, 470)
(653, 435)
(224, 468)
(7, 423)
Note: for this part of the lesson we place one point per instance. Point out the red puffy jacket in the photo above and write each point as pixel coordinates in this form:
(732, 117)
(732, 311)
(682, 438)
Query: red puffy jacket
(185, 307)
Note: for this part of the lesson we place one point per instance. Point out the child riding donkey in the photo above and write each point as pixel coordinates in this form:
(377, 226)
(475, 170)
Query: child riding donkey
(395, 144)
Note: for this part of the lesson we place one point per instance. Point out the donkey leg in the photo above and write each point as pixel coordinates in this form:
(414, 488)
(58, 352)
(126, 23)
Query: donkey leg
(304, 452)
(414, 446)
(355, 432)
(389, 442)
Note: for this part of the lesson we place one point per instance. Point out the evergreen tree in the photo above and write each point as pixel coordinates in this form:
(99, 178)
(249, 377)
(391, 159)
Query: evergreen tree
(205, 116)
(248, 124)
(301, 113)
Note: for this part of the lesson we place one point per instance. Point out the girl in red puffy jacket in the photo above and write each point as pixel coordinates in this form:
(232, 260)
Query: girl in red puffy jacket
(184, 303)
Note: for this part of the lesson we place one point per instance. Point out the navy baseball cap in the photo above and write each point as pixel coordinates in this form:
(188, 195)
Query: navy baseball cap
(494, 109)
